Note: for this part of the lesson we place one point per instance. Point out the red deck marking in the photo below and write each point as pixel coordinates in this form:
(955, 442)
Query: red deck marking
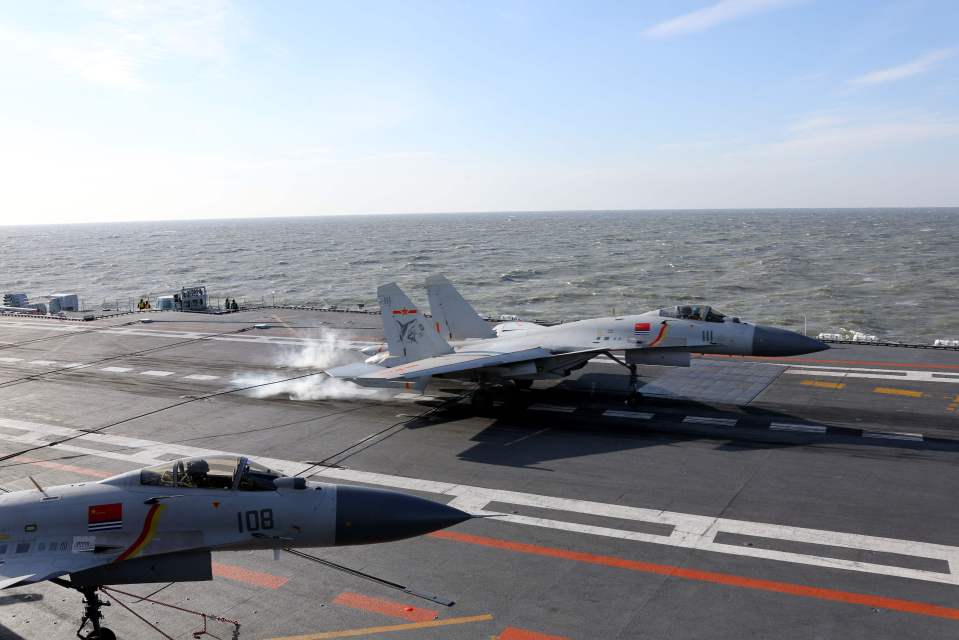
(864, 363)
(512, 633)
(881, 602)
(385, 607)
(49, 464)
(255, 578)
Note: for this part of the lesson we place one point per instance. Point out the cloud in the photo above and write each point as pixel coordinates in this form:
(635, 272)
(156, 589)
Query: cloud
(920, 65)
(712, 16)
(828, 134)
(118, 41)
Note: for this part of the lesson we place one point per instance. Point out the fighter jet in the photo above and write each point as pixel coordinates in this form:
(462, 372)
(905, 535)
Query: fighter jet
(456, 343)
(159, 524)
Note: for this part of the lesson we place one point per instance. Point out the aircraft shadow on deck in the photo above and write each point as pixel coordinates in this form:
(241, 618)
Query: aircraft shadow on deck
(521, 437)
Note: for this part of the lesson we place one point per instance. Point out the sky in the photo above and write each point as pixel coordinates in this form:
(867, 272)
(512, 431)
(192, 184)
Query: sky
(170, 109)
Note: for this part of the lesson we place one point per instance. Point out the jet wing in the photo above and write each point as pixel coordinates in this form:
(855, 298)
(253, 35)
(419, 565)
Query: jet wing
(33, 567)
(437, 365)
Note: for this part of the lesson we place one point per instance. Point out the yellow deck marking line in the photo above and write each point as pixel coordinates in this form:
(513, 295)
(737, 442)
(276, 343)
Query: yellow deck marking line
(898, 392)
(353, 633)
(823, 385)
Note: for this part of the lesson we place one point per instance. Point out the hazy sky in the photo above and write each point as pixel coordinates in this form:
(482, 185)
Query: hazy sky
(186, 109)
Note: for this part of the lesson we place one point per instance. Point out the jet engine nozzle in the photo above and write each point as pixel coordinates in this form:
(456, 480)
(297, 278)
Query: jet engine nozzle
(774, 342)
(366, 516)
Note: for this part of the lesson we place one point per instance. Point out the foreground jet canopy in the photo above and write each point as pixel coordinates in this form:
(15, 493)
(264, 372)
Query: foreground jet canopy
(457, 343)
(159, 524)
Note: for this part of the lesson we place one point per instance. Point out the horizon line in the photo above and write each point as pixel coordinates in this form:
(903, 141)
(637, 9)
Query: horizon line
(474, 213)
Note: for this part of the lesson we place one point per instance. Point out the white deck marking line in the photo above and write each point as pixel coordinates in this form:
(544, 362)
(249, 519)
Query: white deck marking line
(893, 435)
(726, 422)
(116, 369)
(633, 415)
(43, 362)
(788, 426)
(689, 531)
(10, 359)
(200, 376)
(158, 374)
(551, 407)
(909, 376)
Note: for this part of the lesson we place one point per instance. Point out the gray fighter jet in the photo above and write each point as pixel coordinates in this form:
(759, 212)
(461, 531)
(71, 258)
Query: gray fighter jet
(456, 343)
(159, 524)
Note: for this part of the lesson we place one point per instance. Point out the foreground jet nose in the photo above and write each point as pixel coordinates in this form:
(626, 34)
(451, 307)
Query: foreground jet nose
(365, 516)
(770, 341)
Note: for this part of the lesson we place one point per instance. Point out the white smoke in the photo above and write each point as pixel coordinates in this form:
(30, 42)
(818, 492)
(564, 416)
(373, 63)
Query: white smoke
(317, 354)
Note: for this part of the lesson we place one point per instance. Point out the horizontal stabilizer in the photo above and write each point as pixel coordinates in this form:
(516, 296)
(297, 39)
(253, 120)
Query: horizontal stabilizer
(353, 370)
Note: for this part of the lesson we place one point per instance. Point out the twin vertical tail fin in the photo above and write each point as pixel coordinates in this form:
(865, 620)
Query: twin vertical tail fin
(455, 318)
(409, 335)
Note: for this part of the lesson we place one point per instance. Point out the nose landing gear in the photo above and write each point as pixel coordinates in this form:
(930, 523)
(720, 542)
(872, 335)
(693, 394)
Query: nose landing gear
(91, 613)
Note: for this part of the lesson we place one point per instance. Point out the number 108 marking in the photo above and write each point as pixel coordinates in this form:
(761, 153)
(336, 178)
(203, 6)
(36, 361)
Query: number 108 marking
(254, 520)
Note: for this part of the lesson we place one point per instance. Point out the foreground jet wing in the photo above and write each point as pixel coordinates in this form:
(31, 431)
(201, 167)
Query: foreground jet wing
(453, 364)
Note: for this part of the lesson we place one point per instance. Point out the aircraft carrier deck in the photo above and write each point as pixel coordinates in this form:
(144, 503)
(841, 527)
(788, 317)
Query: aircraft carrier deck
(812, 497)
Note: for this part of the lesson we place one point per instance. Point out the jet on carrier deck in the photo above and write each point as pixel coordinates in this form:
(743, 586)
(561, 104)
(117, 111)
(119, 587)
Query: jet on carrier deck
(160, 523)
(456, 343)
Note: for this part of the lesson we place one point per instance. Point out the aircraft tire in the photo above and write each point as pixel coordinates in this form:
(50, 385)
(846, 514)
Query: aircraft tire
(482, 400)
(634, 400)
(523, 384)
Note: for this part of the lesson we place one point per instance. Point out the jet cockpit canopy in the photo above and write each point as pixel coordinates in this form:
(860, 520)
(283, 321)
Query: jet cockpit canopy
(212, 472)
(701, 312)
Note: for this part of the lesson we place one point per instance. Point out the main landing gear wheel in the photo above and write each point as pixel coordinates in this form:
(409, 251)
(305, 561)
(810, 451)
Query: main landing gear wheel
(482, 400)
(91, 613)
(523, 384)
(634, 399)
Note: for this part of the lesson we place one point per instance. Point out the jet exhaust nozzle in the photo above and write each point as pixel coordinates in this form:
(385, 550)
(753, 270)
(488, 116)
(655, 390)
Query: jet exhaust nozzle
(366, 516)
(775, 342)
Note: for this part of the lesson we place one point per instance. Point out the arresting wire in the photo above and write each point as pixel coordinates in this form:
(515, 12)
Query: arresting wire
(86, 432)
(83, 365)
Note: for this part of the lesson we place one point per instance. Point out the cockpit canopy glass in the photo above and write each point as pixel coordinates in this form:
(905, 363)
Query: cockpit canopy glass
(703, 312)
(214, 472)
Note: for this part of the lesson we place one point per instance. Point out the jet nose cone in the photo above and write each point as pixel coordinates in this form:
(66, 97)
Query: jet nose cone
(770, 341)
(365, 516)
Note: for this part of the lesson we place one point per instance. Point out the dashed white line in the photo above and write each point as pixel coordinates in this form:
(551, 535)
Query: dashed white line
(116, 369)
(551, 407)
(158, 374)
(43, 362)
(689, 531)
(893, 435)
(633, 415)
(200, 376)
(806, 428)
(10, 359)
(878, 374)
(726, 422)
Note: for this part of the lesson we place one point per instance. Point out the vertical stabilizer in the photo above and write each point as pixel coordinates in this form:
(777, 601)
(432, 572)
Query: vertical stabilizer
(455, 317)
(409, 335)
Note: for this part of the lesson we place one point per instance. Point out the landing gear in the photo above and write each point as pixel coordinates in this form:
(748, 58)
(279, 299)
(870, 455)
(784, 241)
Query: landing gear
(482, 399)
(91, 614)
(523, 384)
(635, 398)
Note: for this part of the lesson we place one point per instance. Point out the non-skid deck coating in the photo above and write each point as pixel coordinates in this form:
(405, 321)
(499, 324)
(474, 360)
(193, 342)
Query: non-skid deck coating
(807, 497)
